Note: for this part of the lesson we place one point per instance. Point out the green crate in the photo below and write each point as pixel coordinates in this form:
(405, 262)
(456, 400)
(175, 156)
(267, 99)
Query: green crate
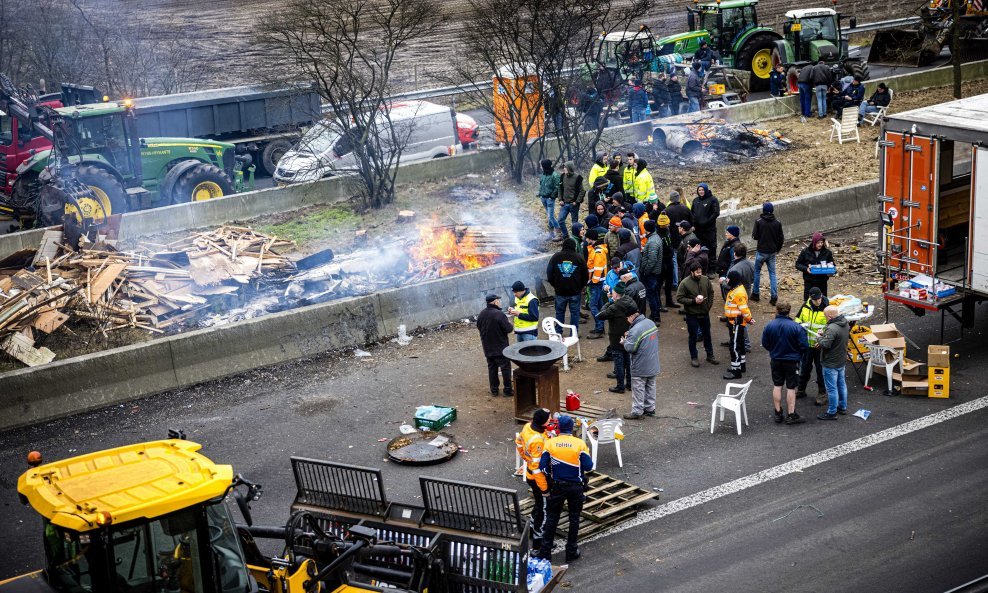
(437, 424)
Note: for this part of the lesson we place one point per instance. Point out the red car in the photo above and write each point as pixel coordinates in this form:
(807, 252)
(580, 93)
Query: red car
(466, 129)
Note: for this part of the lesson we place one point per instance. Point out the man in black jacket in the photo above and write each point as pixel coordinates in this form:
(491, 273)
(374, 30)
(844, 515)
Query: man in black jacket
(568, 275)
(677, 212)
(706, 210)
(880, 98)
(494, 329)
(769, 240)
(675, 94)
(694, 87)
(805, 83)
(571, 193)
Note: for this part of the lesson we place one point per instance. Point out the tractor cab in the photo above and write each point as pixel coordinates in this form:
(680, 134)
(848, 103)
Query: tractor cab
(814, 34)
(103, 132)
(725, 22)
(631, 53)
(146, 518)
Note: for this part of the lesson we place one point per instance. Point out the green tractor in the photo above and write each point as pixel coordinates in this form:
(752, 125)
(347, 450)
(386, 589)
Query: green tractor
(814, 34)
(97, 166)
(732, 30)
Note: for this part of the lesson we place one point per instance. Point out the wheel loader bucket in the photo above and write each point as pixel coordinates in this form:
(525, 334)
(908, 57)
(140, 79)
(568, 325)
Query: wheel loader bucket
(903, 47)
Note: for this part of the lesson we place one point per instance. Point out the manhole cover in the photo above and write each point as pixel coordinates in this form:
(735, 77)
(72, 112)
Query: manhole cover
(422, 448)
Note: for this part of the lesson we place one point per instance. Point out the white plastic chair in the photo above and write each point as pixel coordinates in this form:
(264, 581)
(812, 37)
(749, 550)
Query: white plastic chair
(549, 325)
(519, 462)
(731, 400)
(886, 357)
(846, 128)
(872, 118)
(605, 430)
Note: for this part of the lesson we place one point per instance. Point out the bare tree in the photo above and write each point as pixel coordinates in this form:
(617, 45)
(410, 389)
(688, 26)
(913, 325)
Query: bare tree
(554, 40)
(349, 48)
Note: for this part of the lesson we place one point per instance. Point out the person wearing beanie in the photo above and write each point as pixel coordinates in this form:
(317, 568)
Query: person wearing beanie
(617, 324)
(494, 329)
(571, 194)
(811, 317)
(677, 212)
(650, 269)
(786, 343)
(597, 269)
(706, 211)
(568, 275)
(743, 266)
(598, 190)
(591, 221)
(642, 343)
(629, 249)
(670, 275)
(614, 176)
(726, 254)
(697, 252)
(684, 232)
(769, 241)
(530, 443)
(525, 313)
(644, 185)
(612, 238)
(738, 316)
(548, 192)
(814, 254)
(565, 461)
(694, 87)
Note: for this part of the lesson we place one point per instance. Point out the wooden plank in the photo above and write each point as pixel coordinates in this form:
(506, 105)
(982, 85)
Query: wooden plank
(49, 246)
(104, 279)
(49, 321)
(22, 348)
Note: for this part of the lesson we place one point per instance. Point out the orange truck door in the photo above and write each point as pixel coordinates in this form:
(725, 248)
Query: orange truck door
(908, 196)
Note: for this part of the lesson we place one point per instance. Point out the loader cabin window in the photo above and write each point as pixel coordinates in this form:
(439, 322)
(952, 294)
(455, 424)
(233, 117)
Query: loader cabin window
(7, 128)
(192, 551)
(816, 28)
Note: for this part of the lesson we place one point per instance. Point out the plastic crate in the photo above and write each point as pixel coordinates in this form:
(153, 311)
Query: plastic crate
(822, 271)
(437, 424)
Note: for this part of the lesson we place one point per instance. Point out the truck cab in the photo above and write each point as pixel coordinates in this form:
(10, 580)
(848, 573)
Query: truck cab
(148, 518)
(18, 143)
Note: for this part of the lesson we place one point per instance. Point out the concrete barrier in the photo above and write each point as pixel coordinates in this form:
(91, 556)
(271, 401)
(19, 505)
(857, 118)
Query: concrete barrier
(271, 201)
(33, 395)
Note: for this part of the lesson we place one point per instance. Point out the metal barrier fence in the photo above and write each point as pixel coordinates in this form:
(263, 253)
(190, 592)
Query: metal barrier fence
(471, 507)
(339, 486)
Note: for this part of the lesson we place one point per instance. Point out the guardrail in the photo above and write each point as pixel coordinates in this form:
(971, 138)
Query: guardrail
(889, 24)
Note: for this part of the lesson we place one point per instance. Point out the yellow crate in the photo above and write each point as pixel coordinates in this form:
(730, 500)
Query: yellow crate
(939, 379)
(716, 89)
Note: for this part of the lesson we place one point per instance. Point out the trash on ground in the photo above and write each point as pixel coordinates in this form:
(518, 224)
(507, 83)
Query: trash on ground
(862, 413)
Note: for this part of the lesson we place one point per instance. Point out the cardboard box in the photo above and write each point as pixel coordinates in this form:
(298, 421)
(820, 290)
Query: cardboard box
(938, 356)
(912, 370)
(915, 387)
(887, 334)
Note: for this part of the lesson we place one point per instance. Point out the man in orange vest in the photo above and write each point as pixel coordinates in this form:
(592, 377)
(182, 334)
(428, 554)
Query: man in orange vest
(564, 462)
(597, 267)
(530, 443)
(738, 316)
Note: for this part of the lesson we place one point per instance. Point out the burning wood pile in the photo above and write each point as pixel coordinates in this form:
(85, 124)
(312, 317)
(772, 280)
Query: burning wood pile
(151, 288)
(435, 251)
(719, 136)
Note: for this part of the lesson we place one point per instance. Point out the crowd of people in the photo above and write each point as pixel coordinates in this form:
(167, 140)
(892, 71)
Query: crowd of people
(817, 83)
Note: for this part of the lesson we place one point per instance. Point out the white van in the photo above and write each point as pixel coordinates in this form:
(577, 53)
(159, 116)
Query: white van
(325, 151)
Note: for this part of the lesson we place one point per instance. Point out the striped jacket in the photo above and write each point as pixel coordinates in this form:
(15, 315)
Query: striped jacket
(530, 444)
(566, 458)
(736, 305)
(597, 263)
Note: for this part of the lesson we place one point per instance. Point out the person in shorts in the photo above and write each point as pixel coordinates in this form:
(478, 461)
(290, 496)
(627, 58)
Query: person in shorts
(786, 342)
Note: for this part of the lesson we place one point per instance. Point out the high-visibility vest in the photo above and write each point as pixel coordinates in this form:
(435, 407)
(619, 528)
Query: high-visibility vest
(595, 172)
(814, 320)
(644, 186)
(530, 444)
(597, 263)
(629, 182)
(641, 229)
(736, 305)
(522, 303)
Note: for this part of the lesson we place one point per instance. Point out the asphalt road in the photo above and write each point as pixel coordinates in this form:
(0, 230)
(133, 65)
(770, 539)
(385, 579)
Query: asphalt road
(907, 514)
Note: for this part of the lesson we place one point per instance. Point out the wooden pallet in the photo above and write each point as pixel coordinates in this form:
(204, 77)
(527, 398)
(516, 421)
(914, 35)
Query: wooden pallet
(587, 411)
(609, 501)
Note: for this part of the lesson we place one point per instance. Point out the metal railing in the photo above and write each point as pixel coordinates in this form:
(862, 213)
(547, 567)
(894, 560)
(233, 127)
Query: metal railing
(338, 486)
(471, 507)
(889, 24)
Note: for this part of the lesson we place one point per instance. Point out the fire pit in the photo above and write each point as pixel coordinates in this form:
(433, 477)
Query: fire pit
(422, 448)
(536, 380)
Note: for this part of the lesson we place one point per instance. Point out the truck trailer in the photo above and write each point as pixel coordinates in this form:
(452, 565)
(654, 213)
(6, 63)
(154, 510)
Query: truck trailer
(933, 206)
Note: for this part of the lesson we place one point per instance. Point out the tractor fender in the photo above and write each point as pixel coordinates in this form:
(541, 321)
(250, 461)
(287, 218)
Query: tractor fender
(783, 53)
(173, 175)
(104, 166)
(36, 163)
(746, 35)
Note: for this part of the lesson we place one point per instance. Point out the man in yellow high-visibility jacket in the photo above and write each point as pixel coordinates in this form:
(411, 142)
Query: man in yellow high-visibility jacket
(598, 169)
(530, 443)
(738, 316)
(629, 176)
(525, 313)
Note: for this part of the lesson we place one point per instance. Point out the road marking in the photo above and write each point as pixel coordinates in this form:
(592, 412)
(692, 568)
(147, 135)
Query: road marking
(796, 465)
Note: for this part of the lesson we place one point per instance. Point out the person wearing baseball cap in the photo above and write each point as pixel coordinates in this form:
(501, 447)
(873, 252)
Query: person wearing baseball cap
(525, 313)
(565, 461)
(530, 443)
(494, 329)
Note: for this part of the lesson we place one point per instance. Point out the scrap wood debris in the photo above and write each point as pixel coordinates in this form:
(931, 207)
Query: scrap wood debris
(152, 287)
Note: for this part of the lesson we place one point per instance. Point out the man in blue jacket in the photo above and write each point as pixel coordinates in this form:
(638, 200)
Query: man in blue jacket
(785, 341)
(849, 97)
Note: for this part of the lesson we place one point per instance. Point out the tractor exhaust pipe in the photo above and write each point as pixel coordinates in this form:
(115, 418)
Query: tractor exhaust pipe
(675, 139)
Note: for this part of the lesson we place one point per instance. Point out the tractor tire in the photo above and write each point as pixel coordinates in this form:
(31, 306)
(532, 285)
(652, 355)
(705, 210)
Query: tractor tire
(200, 183)
(108, 195)
(272, 153)
(756, 57)
(860, 69)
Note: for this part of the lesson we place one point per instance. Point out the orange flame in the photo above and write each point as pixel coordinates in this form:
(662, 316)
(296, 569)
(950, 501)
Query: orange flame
(439, 246)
